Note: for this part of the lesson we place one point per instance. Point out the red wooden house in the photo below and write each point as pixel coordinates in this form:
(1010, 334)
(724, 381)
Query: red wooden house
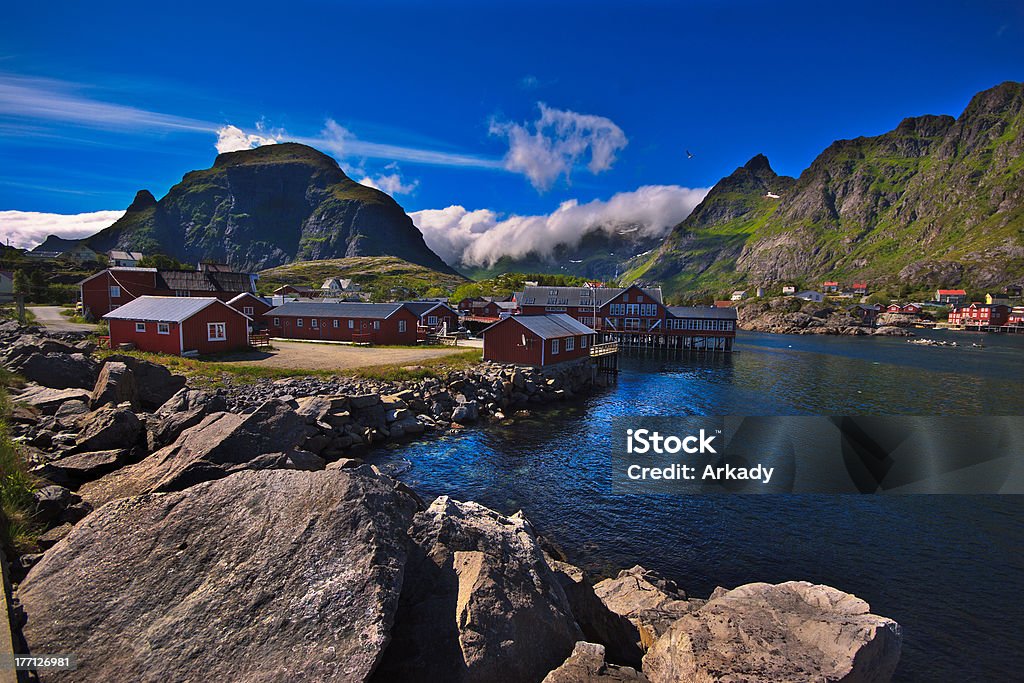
(175, 325)
(904, 309)
(1015, 316)
(343, 321)
(295, 290)
(951, 296)
(435, 315)
(980, 315)
(113, 287)
(537, 340)
(252, 306)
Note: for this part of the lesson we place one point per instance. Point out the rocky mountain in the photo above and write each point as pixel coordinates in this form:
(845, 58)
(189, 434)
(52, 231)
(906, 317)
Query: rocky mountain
(265, 207)
(936, 202)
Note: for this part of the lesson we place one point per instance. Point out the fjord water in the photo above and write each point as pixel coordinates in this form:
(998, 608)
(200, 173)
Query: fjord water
(949, 569)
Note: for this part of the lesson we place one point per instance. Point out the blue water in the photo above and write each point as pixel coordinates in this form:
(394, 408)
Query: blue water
(950, 569)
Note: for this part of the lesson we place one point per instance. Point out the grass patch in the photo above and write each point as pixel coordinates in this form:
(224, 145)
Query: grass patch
(72, 316)
(18, 531)
(434, 367)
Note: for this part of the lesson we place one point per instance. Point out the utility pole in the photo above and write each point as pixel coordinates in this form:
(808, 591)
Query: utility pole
(19, 299)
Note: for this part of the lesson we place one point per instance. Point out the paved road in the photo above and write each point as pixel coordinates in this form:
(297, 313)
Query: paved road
(50, 318)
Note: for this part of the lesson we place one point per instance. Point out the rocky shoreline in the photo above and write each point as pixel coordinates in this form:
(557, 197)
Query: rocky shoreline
(789, 315)
(240, 528)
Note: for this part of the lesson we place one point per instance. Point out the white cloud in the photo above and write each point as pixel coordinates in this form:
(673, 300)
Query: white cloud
(391, 183)
(481, 237)
(26, 229)
(557, 141)
(234, 139)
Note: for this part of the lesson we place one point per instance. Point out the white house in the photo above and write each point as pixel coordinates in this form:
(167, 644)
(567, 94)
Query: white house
(337, 285)
(739, 295)
(6, 286)
(816, 297)
(124, 259)
(788, 290)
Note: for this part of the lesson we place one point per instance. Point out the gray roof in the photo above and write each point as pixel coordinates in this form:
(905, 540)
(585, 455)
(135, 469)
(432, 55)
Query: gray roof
(344, 309)
(552, 326)
(209, 281)
(506, 305)
(162, 309)
(243, 295)
(125, 255)
(421, 308)
(577, 296)
(702, 312)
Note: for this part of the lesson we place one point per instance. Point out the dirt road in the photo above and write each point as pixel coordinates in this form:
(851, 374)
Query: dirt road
(50, 318)
(298, 355)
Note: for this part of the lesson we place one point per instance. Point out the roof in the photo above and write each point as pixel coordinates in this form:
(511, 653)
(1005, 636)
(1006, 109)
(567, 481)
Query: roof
(961, 292)
(251, 295)
(343, 309)
(209, 281)
(117, 269)
(125, 255)
(831, 283)
(506, 305)
(297, 288)
(164, 309)
(702, 312)
(858, 285)
(577, 296)
(551, 326)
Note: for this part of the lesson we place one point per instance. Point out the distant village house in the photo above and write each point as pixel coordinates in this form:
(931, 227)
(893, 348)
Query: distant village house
(126, 259)
(357, 322)
(950, 296)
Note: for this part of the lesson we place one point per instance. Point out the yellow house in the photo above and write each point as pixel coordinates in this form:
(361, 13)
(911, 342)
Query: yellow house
(997, 299)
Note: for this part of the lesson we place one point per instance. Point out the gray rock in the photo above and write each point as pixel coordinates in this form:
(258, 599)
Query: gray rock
(74, 470)
(220, 444)
(48, 401)
(185, 409)
(587, 664)
(67, 413)
(261, 576)
(57, 370)
(792, 631)
(109, 428)
(116, 384)
(156, 384)
(479, 602)
(650, 602)
(50, 502)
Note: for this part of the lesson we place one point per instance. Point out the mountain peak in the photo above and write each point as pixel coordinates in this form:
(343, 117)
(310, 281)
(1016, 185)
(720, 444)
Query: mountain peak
(758, 164)
(144, 199)
(281, 152)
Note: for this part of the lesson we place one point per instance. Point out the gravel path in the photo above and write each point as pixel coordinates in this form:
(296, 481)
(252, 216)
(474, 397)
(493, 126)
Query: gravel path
(298, 355)
(50, 318)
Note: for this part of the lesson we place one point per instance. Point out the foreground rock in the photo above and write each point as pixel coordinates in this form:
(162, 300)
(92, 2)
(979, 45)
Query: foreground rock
(479, 602)
(587, 663)
(222, 443)
(57, 370)
(651, 602)
(154, 384)
(261, 576)
(793, 631)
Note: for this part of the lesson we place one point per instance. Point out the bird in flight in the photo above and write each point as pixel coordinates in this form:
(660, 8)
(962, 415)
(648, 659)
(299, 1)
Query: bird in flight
(689, 154)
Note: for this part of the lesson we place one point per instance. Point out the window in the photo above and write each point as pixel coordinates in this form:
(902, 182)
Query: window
(115, 291)
(570, 343)
(140, 327)
(216, 331)
(584, 340)
(163, 328)
(376, 324)
(431, 320)
(401, 326)
(351, 324)
(277, 322)
(314, 323)
(335, 322)
(182, 292)
(554, 347)
(298, 322)
(617, 309)
(247, 310)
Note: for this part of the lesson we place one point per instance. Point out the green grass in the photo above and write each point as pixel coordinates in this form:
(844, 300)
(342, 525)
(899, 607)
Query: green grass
(377, 275)
(18, 531)
(73, 317)
(434, 367)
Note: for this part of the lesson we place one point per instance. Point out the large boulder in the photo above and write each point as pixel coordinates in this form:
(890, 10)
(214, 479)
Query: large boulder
(116, 384)
(479, 603)
(793, 631)
(185, 409)
(587, 664)
(648, 600)
(220, 444)
(47, 400)
(74, 470)
(57, 370)
(156, 384)
(109, 428)
(261, 576)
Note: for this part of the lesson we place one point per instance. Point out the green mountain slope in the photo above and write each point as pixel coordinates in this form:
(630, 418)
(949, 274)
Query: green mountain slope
(377, 275)
(936, 202)
(265, 207)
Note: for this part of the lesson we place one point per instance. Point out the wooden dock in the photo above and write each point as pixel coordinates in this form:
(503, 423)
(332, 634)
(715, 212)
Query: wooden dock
(669, 342)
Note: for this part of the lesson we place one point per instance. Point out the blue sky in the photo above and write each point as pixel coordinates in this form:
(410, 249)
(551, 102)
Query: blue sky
(441, 104)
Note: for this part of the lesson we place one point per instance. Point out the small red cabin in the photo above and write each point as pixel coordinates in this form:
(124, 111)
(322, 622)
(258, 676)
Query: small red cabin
(343, 321)
(175, 325)
(537, 340)
(252, 307)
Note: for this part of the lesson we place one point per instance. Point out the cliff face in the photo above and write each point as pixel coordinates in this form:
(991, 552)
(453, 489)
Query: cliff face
(265, 207)
(937, 201)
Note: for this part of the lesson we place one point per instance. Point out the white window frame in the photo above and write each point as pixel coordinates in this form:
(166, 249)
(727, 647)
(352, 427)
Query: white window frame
(376, 324)
(314, 323)
(431, 319)
(163, 328)
(140, 327)
(115, 292)
(401, 326)
(584, 340)
(299, 322)
(248, 310)
(277, 322)
(335, 321)
(216, 331)
(351, 324)
(570, 344)
(554, 347)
